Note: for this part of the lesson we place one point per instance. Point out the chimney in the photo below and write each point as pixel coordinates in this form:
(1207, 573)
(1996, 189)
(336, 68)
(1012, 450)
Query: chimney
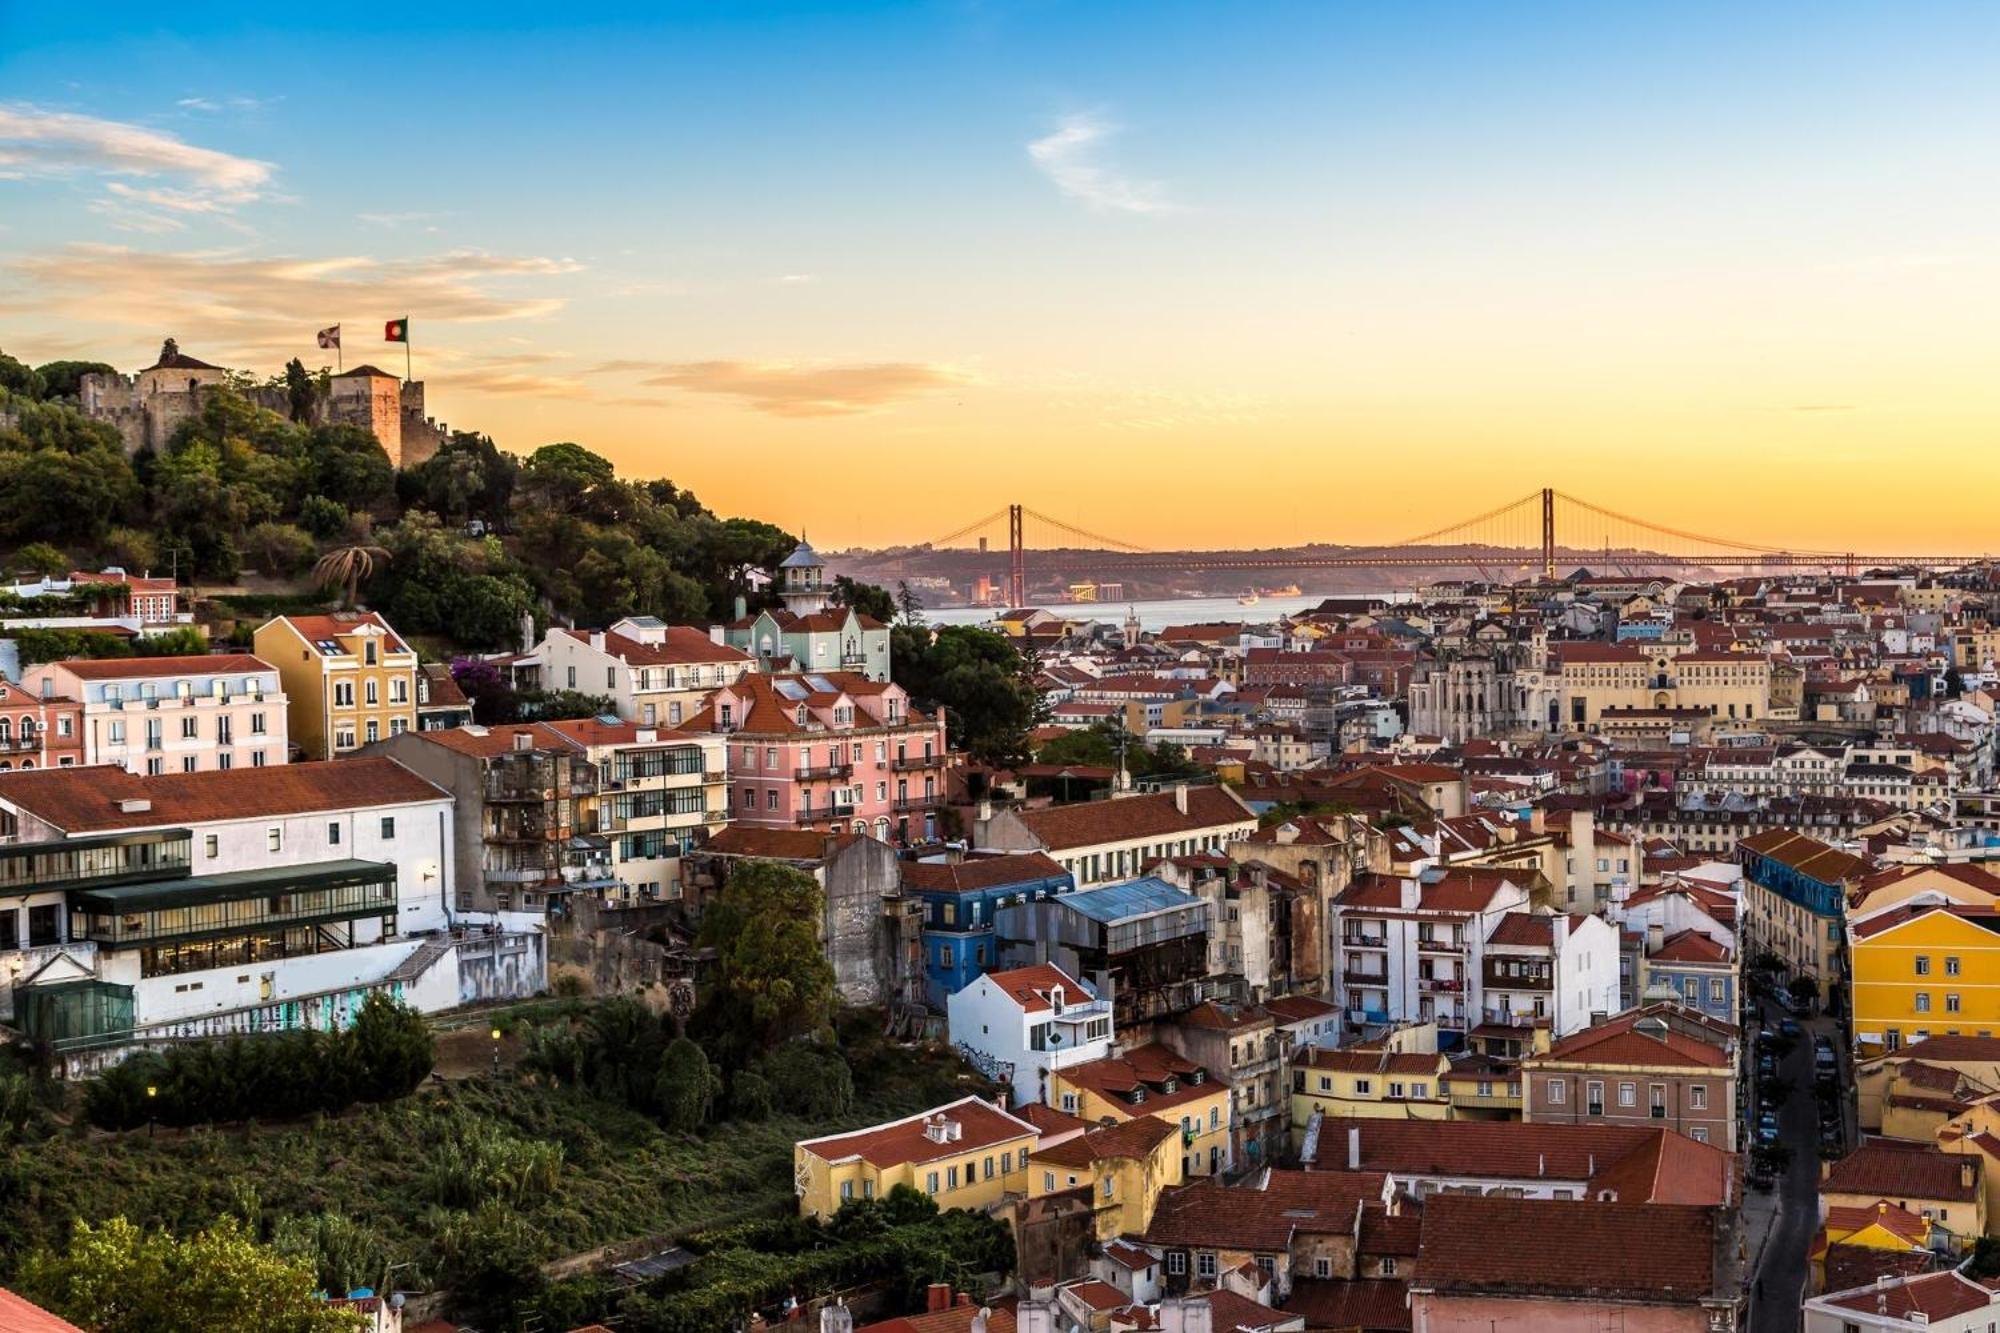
(646, 735)
(964, 1301)
(1180, 798)
(597, 640)
(524, 741)
(937, 1297)
(1656, 937)
(741, 607)
(1037, 1314)
(1354, 1147)
(836, 1318)
(1968, 1173)
(134, 805)
(1537, 821)
(979, 1320)
(716, 634)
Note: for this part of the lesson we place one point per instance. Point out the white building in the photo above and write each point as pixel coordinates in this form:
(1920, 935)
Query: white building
(1561, 967)
(1413, 950)
(155, 715)
(1108, 842)
(1947, 1302)
(654, 673)
(1019, 1025)
(227, 900)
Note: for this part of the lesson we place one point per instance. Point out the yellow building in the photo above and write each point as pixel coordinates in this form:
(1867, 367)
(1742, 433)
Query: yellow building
(1885, 1226)
(967, 1154)
(1601, 676)
(1122, 1168)
(1925, 968)
(349, 679)
(1916, 882)
(1943, 1187)
(1962, 1069)
(1368, 1084)
(1153, 1080)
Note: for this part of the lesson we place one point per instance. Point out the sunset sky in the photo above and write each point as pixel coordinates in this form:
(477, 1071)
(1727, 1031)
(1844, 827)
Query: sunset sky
(1193, 274)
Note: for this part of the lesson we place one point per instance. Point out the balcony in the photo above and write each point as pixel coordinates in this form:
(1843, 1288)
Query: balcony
(915, 763)
(823, 813)
(1364, 942)
(1499, 977)
(905, 804)
(1439, 945)
(1440, 985)
(824, 771)
(1376, 979)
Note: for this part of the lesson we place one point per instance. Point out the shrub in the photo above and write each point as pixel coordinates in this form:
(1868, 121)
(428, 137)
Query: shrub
(393, 1050)
(686, 1087)
(810, 1080)
(750, 1098)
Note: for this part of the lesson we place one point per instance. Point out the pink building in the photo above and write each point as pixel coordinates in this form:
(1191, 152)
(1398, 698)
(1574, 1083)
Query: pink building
(37, 732)
(154, 715)
(832, 750)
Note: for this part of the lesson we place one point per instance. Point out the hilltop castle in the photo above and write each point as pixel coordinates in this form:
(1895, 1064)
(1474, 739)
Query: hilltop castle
(145, 408)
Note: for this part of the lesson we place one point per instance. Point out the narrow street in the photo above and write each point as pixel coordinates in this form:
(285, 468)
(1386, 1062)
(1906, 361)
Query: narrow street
(1780, 1282)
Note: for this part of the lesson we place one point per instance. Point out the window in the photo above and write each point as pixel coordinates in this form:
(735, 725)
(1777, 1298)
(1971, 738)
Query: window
(399, 691)
(374, 729)
(1697, 1096)
(1395, 1089)
(931, 1183)
(388, 827)
(333, 835)
(1069, 1103)
(846, 1190)
(1951, 965)
(212, 845)
(1951, 1002)
(989, 1168)
(951, 1177)
(343, 694)
(1388, 1265)
(1108, 1183)
(1628, 1094)
(1923, 965)
(1214, 1117)
(1555, 1092)
(1593, 1097)
(1048, 1182)
(1204, 1264)
(274, 839)
(1656, 1100)
(1699, 1133)
(1362, 1087)
(1177, 1263)
(368, 652)
(1322, 1266)
(1923, 1002)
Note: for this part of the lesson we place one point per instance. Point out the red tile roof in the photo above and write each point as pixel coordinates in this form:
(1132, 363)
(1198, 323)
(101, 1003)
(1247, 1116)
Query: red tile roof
(314, 628)
(1150, 1065)
(1265, 1212)
(1641, 1163)
(1903, 1169)
(1620, 1041)
(1063, 827)
(979, 872)
(87, 800)
(1808, 856)
(1936, 1296)
(1134, 1138)
(683, 644)
(775, 844)
(981, 1124)
(1592, 1250)
(128, 668)
(20, 1316)
(1690, 946)
(1300, 1008)
(1367, 1305)
(1030, 987)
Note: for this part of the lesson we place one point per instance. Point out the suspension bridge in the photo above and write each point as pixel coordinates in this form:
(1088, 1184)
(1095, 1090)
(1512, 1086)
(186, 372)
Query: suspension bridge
(1514, 542)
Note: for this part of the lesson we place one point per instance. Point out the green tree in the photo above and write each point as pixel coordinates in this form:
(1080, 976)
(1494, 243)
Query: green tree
(984, 683)
(39, 558)
(301, 390)
(908, 604)
(18, 378)
(866, 598)
(764, 927)
(348, 567)
(116, 1278)
(342, 1253)
(570, 479)
(686, 1087)
(324, 518)
(1803, 987)
(350, 468)
(132, 549)
(280, 548)
(64, 379)
(393, 1049)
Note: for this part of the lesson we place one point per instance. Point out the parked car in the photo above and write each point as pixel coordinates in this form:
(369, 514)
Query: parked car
(1789, 1029)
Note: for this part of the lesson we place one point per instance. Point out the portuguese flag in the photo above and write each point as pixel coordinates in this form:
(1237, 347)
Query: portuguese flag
(396, 330)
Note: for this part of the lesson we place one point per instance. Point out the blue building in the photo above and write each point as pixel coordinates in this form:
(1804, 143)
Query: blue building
(1694, 969)
(960, 899)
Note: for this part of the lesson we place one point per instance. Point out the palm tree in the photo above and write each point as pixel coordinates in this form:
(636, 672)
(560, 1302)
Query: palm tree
(347, 568)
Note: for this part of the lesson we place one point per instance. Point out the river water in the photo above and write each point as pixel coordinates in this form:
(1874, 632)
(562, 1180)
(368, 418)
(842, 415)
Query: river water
(1155, 616)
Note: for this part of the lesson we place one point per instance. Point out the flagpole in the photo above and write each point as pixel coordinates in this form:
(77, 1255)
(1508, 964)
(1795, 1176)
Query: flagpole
(408, 378)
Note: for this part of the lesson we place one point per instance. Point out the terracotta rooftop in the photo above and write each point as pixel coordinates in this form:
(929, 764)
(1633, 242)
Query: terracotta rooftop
(1031, 987)
(1134, 1138)
(191, 664)
(1641, 1163)
(1808, 856)
(1583, 1249)
(981, 1125)
(1622, 1041)
(979, 872)
(1936, 1296)
(318, 629)
(1690, 946)
(775, 844)
(1367, 1305)
(682, 644)
(1063, 827)
(1265, 1212)
(1903, 1169)
(1114, 1076)
(89, 800)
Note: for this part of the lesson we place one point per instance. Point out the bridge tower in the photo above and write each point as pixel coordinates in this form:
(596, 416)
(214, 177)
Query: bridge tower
(1549, 533)
(1017, 560)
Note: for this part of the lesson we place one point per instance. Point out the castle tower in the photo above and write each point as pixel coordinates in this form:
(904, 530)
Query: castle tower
(373, 400)
(804, 586)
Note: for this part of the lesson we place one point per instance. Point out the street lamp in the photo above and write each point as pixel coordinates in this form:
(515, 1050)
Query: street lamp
(496, 1052)
(152, 1093)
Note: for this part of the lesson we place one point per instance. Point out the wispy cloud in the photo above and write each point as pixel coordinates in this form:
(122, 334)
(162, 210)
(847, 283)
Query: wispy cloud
(237, 304)
(393, 221)
(788, 389)
(1070, 155)
(234, 102)
(186, 179)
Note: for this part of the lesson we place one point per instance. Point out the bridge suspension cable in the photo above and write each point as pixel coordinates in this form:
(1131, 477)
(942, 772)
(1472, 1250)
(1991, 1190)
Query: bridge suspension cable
(1071, 529)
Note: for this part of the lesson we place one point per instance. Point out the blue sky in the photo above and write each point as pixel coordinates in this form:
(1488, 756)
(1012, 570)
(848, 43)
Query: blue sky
(1061, 242)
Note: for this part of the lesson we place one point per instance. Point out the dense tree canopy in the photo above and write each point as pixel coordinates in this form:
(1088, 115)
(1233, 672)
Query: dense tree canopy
(119, 1279)
(764, 927)
(1103, 743)
(985, 684)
